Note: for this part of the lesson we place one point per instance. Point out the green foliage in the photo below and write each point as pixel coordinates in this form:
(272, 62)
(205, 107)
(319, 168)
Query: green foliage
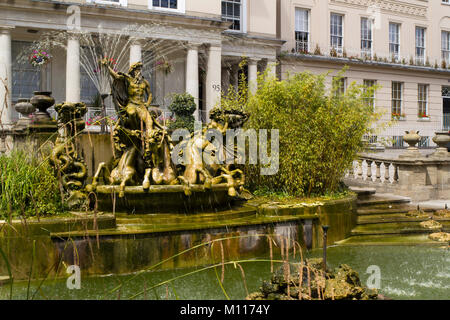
(320, 131)
(28, 186)
(183, 106)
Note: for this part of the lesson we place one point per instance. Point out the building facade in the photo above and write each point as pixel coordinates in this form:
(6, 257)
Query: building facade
(204, 41)
(402, 46)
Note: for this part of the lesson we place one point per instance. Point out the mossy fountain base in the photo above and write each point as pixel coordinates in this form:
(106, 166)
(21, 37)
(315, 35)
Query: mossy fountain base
(139, 241)
(163, 199)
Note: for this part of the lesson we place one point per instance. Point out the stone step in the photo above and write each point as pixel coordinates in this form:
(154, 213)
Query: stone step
(382, 199)
(362, 192)
(395, 228)
(395, 217)
(387, 210)
(389, 240)
(4, 280)
(165, 218)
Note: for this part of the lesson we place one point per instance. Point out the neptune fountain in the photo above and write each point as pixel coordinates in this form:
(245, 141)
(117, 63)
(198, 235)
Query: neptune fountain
(147, 171)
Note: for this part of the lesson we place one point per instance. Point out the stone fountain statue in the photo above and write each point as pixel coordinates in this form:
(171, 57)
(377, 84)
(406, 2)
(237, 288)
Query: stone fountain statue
(142, 153)
(65, 158)
(141, 145)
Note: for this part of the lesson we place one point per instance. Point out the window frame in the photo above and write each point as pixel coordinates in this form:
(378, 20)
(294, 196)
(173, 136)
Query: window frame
(308, 32)
(372, 99)
(423, 102)
(181, 7)
(370, 41)
(332, 46)
(421, 60)
(445, 53)
(243, 17)
(396, 100)
(398, 44)
(19, 70)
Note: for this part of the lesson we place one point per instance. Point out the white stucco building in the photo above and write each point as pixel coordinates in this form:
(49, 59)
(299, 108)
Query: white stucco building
(403, 46)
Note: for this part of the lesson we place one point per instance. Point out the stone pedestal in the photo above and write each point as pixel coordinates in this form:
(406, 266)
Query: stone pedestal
(441, 139)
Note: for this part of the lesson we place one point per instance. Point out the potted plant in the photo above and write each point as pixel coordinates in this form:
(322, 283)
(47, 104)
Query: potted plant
(398, 116)
(423, 115)
(183, 107)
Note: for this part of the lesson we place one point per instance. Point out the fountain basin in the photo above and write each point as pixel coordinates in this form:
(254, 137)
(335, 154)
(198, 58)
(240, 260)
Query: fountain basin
(163, 199)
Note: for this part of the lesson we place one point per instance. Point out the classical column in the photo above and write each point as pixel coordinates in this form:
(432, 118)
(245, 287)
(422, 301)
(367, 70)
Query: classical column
(253, 74)
(5, 77)
(213, 78)
(73, 70)
(135, 52)
(272, 66)
(192, 74)
(234, 81)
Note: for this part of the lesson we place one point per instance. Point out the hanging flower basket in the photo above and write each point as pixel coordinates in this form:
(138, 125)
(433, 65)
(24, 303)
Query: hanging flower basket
(164, 65)
(39, 58)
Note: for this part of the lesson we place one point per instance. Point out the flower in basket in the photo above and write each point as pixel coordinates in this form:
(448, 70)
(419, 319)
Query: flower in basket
(397, 115)
(39, 58)
(164, 65)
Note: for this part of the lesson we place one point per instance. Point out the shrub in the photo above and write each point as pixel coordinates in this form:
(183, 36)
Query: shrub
(320, 131)
(29, 186)
(183, 106)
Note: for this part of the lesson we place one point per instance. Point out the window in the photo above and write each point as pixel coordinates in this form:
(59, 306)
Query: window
(424, 142)
(422, 99)
(445, 44)
(397, 142)
(397, 97)
(366, 37)
(233, 11)
(394, 40)
(88, 90)
(114, 2)
(302, 30)
(167, 5)
(336, 32)
(420, 45)
(341, 85)
(370, 100)
(25, 78)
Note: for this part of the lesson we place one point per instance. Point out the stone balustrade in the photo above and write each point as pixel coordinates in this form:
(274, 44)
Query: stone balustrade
(420, 178)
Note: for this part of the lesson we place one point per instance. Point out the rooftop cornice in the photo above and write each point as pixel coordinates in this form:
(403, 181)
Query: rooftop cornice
(390, 6)
(142, 15)
(348, 61)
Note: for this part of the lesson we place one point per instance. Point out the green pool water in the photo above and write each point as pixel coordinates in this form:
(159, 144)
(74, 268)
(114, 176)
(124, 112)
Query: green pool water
(407, 272)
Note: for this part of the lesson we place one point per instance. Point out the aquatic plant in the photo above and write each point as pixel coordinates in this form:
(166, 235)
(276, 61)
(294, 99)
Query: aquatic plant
(28, 186)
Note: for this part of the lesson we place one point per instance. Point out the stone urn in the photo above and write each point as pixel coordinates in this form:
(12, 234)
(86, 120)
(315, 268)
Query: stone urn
(42, 100)
(25, 108)
(412, 138)
(442, 139)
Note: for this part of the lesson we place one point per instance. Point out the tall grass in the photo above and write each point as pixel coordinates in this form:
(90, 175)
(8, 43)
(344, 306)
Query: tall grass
(28, 186)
